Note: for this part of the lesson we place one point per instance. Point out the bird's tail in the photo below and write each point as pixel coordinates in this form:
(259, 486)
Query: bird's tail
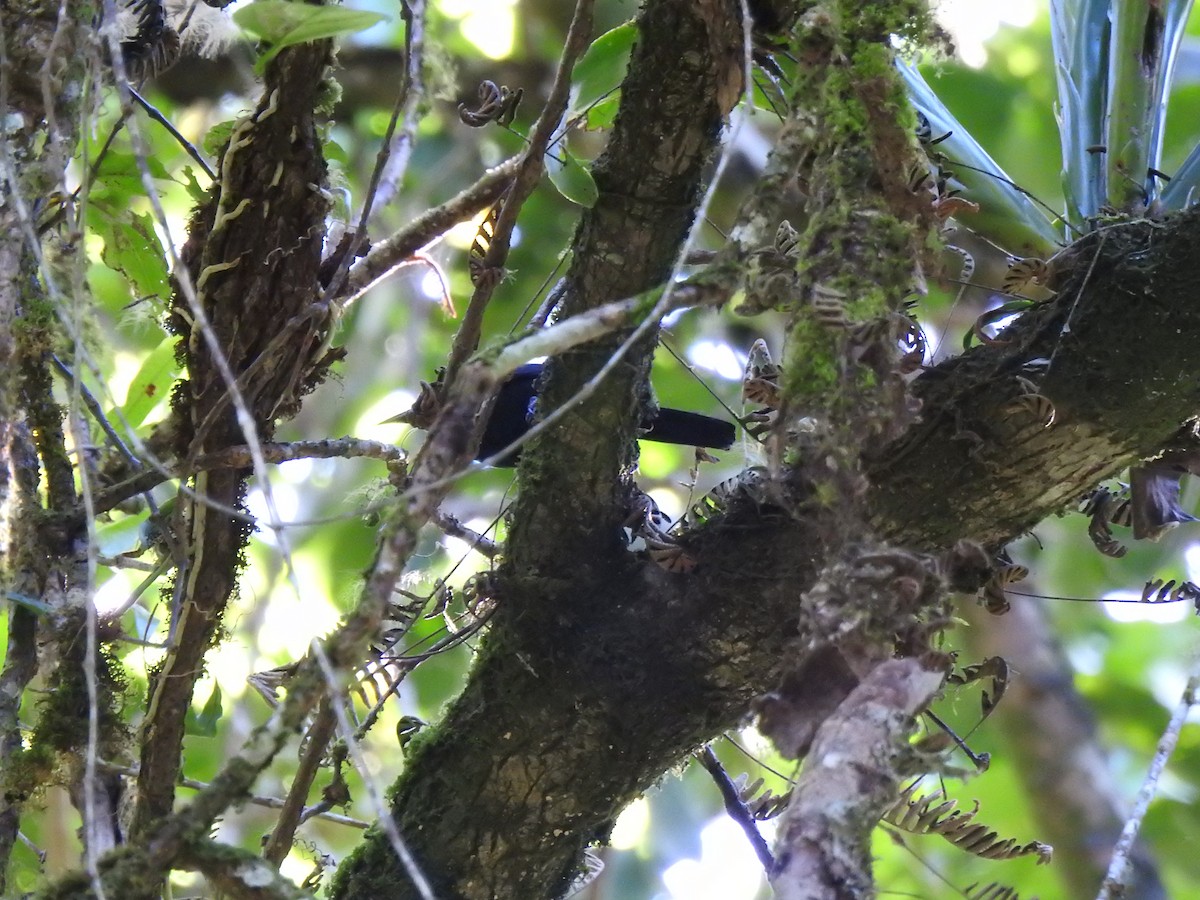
(674, 426)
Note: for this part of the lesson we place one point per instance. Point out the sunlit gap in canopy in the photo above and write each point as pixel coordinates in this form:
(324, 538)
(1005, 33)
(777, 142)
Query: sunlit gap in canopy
(488, 24)
(726, 870)
(1162, 613)
(717, 357)
(971, 23)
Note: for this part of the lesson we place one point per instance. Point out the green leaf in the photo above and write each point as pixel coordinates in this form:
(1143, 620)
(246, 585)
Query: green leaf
(152, 383)
(283, 23)
(603, 66)
(204, 723)
(217, 138)
(572, 178)
(191, 184)
(132, 247)
(119, 178)
(602, 113)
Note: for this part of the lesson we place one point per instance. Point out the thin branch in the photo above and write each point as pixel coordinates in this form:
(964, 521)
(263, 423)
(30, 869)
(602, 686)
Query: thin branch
(318, 737)
(456, 529)
(736, 808)
(188, 147)
(394, 251)
(386, 178)
(93, 407)
(255, 799)
(241, 457)
(443, 452)
(237, 873)
(466, 341)
(376, 794)
(1114, 881)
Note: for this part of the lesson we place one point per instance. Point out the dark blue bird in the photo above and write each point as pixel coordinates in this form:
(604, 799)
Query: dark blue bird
(513, 412)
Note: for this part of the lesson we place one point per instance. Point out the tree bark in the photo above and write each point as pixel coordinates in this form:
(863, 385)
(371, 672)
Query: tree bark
(600, 673)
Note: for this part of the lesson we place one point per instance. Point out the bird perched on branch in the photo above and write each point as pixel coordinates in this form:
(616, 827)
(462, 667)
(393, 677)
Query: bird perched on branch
(515, 406)
(512, 416)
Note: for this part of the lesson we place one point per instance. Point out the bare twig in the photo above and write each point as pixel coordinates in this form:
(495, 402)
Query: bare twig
(456, 529)
(394, 251)
(318, 737)
(1114, 881)
(188, 147)
(386, 178)
(240, 457)
(466, 341)
(255, 799)
(376, 794)
(736, 808)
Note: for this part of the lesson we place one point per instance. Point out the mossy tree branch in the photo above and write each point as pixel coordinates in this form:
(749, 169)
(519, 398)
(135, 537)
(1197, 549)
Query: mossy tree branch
(601, 672)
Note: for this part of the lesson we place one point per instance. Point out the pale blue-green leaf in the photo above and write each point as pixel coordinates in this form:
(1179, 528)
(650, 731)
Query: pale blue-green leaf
(1184, 187)
(1175, 17)
(571, 177)
(1079, 31)
(1007, 216)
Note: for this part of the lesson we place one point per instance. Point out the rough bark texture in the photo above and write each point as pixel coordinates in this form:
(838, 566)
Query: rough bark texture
(599, 674)
(601, 671)
(261, 311)
(1120, 368)
(568, 617)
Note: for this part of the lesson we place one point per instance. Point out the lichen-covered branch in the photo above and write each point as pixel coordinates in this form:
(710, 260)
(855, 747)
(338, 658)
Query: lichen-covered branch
(44, 54)
(853, 772)
(600, 671)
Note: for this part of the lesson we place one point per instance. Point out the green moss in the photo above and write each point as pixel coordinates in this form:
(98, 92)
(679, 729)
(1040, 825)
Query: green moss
(27, 772)
(63, 721)
(847, 117)
(811, 370)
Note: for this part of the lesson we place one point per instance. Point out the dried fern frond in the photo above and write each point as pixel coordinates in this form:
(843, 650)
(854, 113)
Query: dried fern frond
(761, 804)
(1158, 591)
(991, 891)
(994, 668)
(936, 814)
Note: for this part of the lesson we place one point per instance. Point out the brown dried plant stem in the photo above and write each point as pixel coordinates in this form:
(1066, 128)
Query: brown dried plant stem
(528, 175)
(317, 739)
